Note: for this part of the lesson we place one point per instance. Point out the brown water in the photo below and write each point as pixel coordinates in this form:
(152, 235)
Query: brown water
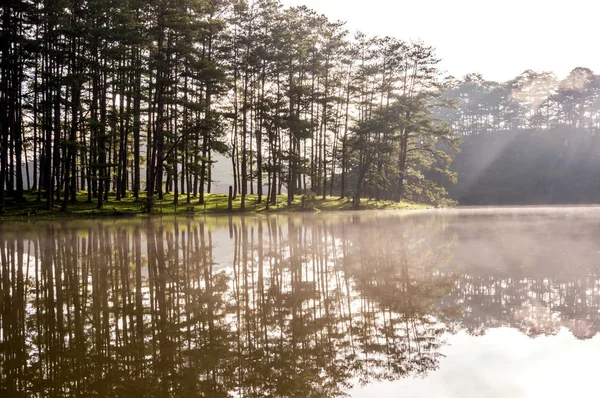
(459, 303)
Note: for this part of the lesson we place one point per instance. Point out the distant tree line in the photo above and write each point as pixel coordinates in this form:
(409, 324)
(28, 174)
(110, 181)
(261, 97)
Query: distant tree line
(530, 140)
(136, 96)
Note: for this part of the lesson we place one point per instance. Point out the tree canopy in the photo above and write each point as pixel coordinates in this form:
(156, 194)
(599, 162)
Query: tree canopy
(132, 96)
(530, 140)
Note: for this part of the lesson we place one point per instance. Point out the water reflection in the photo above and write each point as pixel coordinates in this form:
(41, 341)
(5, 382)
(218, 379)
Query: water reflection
(277, 306)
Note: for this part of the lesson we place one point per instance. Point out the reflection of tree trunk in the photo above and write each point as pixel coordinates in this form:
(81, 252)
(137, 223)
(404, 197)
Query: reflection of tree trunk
(261, 285)
(139, 305)
(156, 260)
(7, 312)
(207, 266)
(238, 312)
(72, 271)
(301, 304)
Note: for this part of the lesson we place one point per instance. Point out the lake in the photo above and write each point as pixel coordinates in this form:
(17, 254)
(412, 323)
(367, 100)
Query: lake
(442, 303)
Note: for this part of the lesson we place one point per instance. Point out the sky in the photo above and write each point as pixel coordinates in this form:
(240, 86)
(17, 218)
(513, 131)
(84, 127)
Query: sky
(499, 39)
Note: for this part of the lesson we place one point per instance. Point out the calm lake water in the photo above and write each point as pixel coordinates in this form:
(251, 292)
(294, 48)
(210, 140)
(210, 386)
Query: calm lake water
(458, 303)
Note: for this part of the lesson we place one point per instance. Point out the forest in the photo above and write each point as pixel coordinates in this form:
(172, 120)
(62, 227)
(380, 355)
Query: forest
(104, 101)
(139, 98)
(530, 140)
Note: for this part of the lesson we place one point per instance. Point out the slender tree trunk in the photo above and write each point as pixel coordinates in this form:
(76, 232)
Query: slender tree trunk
(137, 94)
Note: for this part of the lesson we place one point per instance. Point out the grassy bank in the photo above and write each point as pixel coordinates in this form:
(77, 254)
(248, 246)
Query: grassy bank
(214, 204)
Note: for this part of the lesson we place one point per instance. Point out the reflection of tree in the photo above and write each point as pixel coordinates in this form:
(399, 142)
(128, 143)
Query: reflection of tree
(278, 306)
(310, 329)
(149, 309)
(524, 272)
(395, 272)
(534, 306)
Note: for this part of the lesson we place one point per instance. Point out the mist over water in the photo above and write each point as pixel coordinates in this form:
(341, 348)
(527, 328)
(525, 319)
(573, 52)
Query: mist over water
(301, 305)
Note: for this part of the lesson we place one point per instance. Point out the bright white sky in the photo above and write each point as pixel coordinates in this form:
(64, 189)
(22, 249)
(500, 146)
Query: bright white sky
(499, 39)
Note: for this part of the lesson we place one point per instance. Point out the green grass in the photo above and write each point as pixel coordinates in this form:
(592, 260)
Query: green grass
(214, 203)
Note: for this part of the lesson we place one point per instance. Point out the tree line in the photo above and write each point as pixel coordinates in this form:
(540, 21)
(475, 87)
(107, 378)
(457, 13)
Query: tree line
(139, 96)
(530, 140)
(532, 100)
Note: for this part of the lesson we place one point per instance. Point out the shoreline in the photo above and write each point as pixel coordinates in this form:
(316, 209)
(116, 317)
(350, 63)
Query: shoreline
(214, 204)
